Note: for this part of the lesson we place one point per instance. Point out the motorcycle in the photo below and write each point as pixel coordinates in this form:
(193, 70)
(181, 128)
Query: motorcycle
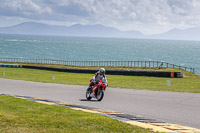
(96, 91)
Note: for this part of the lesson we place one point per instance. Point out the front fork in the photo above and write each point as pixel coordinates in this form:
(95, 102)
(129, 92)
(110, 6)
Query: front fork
(94, 91)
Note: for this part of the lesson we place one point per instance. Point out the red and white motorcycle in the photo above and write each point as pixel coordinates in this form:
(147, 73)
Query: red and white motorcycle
(96, 91)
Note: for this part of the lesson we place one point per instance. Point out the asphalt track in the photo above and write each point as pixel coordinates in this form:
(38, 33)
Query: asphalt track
(177, 108)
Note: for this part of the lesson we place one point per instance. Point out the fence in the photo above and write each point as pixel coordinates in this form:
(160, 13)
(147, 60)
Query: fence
(150, 64)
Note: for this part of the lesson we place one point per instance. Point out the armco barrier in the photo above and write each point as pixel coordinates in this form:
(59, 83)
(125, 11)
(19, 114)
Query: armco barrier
(145, 64)
(10, 65)
(112, 72)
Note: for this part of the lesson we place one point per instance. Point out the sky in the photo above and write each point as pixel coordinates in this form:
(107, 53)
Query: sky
(146, 16)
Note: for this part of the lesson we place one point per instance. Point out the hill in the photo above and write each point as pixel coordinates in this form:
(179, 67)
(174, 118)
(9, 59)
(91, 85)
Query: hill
(97, 30)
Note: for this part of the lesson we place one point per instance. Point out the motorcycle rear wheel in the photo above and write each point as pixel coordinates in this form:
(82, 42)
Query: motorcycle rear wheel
(88, 93)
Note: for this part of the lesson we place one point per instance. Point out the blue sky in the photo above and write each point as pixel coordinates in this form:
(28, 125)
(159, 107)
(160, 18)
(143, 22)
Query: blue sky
(147, 16)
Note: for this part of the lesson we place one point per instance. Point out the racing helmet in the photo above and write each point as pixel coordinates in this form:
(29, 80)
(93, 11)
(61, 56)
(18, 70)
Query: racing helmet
(102, 70)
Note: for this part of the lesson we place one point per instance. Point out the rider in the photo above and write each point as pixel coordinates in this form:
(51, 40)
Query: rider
(99, 75)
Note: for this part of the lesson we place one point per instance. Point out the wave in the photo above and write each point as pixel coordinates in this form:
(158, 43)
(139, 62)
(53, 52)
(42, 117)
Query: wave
(16, 40)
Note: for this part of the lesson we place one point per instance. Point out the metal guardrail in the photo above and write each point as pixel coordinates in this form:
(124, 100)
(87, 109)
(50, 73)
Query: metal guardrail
(150, 64)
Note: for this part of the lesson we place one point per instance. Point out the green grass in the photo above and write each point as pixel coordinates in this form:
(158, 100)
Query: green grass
(17, 115)
(190, 83)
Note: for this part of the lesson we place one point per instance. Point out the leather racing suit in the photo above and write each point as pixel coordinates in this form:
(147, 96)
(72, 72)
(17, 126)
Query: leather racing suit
(96, 77)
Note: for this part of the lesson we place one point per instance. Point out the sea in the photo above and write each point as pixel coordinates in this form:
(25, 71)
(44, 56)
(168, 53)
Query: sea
(184, 53)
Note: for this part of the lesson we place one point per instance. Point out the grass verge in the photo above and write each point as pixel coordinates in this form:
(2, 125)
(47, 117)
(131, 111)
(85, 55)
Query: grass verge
(190, 83)
(18, 115)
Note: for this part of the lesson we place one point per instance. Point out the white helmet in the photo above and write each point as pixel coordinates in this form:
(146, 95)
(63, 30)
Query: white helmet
(102, 70)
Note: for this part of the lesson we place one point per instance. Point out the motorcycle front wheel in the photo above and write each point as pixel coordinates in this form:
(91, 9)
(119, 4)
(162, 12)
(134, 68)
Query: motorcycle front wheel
(100, 95)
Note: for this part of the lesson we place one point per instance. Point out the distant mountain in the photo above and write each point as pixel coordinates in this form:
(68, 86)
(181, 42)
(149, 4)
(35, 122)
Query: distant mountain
(32, 28)
(97, 30)
(178, 34)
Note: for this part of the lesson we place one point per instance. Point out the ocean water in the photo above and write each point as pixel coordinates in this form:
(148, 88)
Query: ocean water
(185, 53)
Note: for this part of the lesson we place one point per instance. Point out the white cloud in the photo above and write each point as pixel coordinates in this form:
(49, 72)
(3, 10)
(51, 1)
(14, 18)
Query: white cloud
(149, 16)
(57, 2)
(26, 7)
